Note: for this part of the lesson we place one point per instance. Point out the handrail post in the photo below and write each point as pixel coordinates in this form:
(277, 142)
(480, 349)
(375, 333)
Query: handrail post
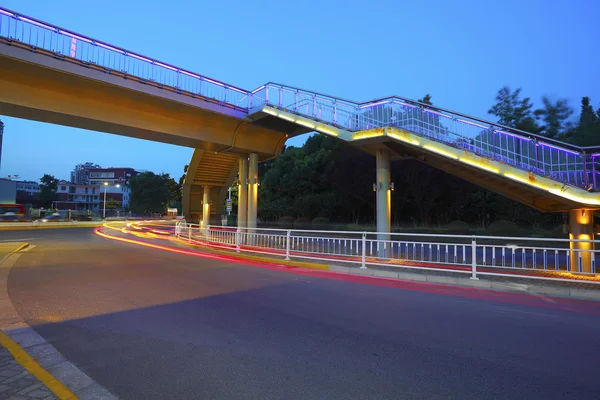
(190, 233)
(474, 259)
(287, 244)
(237, 240)
(363, 263)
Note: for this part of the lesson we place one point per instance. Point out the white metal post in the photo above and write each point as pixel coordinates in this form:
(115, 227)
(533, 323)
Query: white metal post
(363, 264)
(474, 259)
(237, 240)
(287, 245)
(104, 206)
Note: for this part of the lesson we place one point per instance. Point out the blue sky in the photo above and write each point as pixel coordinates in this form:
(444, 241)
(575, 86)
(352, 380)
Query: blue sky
(460, 52)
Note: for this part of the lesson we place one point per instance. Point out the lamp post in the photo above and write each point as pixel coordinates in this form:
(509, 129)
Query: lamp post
(104, 208)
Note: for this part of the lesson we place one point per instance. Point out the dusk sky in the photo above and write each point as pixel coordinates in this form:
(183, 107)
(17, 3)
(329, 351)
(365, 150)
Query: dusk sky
(460, 52)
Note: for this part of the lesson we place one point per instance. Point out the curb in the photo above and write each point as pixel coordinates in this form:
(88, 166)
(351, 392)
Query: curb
(36, 355)
(270, 260)
(25, 360)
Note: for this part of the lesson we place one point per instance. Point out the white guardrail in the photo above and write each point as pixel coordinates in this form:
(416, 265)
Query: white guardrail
(474, 255)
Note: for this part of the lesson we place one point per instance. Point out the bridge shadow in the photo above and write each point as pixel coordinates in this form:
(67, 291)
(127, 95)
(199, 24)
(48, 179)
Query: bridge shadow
(299, 340)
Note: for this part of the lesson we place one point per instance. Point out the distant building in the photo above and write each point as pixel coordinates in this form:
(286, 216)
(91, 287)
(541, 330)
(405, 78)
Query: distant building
(8, 191)
(79, 175)
(112, 176)
(31, 187)
(70, 196)
(1, 138)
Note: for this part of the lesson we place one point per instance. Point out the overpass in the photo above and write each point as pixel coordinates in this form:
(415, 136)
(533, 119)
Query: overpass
(54, 75)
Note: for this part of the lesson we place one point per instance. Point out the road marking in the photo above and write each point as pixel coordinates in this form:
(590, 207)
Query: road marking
(21, 356)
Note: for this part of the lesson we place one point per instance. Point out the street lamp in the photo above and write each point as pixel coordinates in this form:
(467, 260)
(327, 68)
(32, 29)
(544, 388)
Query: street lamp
(104, 208)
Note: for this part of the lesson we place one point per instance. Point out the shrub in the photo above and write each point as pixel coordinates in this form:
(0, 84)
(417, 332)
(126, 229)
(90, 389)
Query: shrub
(458, 227)
(503, 228)
(302, 223)
(286, 222)
(320, 223)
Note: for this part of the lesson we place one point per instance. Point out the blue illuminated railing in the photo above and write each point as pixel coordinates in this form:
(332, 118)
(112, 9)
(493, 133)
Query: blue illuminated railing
(67, 44)
(547, 157)
(560, 161)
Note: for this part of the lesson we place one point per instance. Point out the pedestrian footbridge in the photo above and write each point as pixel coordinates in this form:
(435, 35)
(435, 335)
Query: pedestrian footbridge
(55, 75)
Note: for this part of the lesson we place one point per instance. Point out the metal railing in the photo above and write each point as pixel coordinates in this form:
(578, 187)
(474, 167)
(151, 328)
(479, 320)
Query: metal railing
(560, 161)
(536, 258)
(69, 45)
(557, 160)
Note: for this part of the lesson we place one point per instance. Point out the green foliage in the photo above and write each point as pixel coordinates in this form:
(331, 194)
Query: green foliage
(150, 193)
(302, 223)
(320, 223)
(513, 111)
(458, 227)
(48, 187)
(555, 116)
(112, 204)
(503, 228)
(587, 131)
(286, 222)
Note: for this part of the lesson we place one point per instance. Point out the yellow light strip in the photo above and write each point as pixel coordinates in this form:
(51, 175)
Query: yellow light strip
(440, 151)
(518, 178)
(327, 131)
(283, 116)
(480, 165)
(404, 139)
(305, 123)
(365, 135)
(269, 111)
(574, 197)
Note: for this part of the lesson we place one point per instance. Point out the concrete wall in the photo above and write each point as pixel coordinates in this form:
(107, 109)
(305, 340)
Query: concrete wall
(8, 191)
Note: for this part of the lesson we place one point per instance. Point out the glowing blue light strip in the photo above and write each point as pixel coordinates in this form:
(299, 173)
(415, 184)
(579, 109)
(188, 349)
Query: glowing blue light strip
(75, 36)
(165, 66)
(437, 113)
(259, 89)
(7, 13)
(107, 47)
(374, 104)
(36, 23)
(473, 123)
(190, 74)
(513, 135)
(139, 57)
(558, 148)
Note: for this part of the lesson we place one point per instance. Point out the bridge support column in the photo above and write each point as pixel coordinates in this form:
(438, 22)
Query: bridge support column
(242, 218)
(581, 227)
(206, 206)
(252, 190)
(384, 199)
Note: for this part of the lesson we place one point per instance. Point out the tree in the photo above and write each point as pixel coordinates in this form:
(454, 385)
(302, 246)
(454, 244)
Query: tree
(48, 187)
(587, 131)
(149, 193)
(112, 204)
(554, 116)
(426, 100)
(512, 111)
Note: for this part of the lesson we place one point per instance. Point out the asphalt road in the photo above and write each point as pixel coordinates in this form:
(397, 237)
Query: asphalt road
(150, 324)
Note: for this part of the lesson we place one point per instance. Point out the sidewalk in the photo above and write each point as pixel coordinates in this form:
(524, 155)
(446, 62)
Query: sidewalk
(18, 384)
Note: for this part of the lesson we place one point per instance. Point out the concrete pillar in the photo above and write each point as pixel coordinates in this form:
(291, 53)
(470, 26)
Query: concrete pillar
(252, 190)
(384, 200)
(581, 227)
(242, 218)
(206, 206)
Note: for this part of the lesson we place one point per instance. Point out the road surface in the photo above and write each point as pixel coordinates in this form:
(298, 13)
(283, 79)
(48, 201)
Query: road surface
(152, 324)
